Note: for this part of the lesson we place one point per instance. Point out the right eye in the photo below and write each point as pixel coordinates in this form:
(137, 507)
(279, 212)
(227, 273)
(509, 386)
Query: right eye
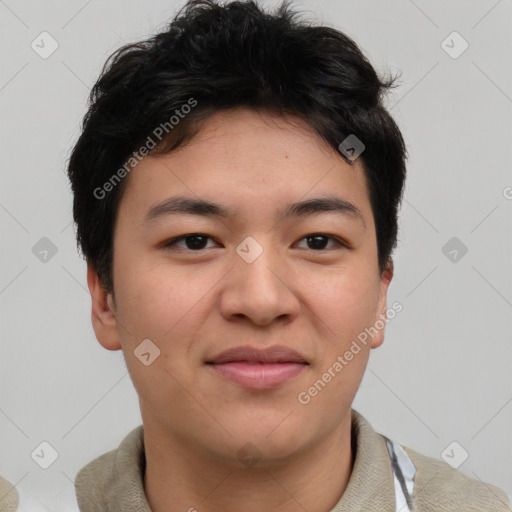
(193, 242)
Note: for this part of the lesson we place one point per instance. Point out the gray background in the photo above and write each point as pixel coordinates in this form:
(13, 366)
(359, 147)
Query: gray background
(443, 373)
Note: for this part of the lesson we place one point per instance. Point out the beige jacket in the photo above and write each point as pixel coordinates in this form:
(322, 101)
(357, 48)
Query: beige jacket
(8, 496)
(114, 482)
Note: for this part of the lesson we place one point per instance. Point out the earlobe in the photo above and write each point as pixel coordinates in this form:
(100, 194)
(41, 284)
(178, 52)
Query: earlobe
(103, 314)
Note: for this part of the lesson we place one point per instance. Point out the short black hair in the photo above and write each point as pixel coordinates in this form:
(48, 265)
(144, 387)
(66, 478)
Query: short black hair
(213, 57)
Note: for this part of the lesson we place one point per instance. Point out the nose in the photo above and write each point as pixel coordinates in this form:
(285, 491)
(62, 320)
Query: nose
(260, 291)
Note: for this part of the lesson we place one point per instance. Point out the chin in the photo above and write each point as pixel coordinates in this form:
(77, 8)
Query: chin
(272, 445)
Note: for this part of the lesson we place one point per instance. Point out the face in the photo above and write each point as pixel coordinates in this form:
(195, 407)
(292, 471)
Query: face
(252, 279)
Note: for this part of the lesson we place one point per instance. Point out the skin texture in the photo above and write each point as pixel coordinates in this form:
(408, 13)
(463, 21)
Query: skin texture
(194, 304)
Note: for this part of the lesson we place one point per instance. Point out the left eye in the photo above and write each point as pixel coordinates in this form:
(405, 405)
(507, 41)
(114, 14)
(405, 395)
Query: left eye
(196, 241)
(319, 240)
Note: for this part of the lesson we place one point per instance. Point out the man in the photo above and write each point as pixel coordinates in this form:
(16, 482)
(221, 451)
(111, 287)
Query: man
(236, 188)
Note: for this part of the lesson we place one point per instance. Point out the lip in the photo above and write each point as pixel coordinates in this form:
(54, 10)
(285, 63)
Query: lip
(274, 354)
(256, 368)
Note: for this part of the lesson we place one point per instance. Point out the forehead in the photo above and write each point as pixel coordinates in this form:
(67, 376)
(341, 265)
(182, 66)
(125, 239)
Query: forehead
(248, 160)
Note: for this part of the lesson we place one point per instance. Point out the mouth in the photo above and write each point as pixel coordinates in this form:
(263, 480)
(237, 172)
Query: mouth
(258, 369)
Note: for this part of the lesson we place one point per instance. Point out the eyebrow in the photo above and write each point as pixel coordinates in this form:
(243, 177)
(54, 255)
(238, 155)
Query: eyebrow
(187, 205)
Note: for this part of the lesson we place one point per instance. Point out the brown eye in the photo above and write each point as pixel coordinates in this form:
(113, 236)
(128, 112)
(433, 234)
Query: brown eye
(193, 242)
(319, 241)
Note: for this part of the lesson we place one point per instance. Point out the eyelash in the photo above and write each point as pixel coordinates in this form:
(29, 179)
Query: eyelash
(169, 244)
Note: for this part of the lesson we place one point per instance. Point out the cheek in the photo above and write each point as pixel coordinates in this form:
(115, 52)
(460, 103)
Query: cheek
(157, 298)
(169, 306)
(161, 304)
(345, 303)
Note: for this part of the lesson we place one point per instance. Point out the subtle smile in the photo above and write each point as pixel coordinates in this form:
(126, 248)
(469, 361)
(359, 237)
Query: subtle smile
(258, 369)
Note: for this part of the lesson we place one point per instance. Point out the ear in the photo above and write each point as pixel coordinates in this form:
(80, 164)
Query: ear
(381, 315)
(103, 313)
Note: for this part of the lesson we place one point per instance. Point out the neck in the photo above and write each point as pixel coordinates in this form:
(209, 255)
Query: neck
(179, 477)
